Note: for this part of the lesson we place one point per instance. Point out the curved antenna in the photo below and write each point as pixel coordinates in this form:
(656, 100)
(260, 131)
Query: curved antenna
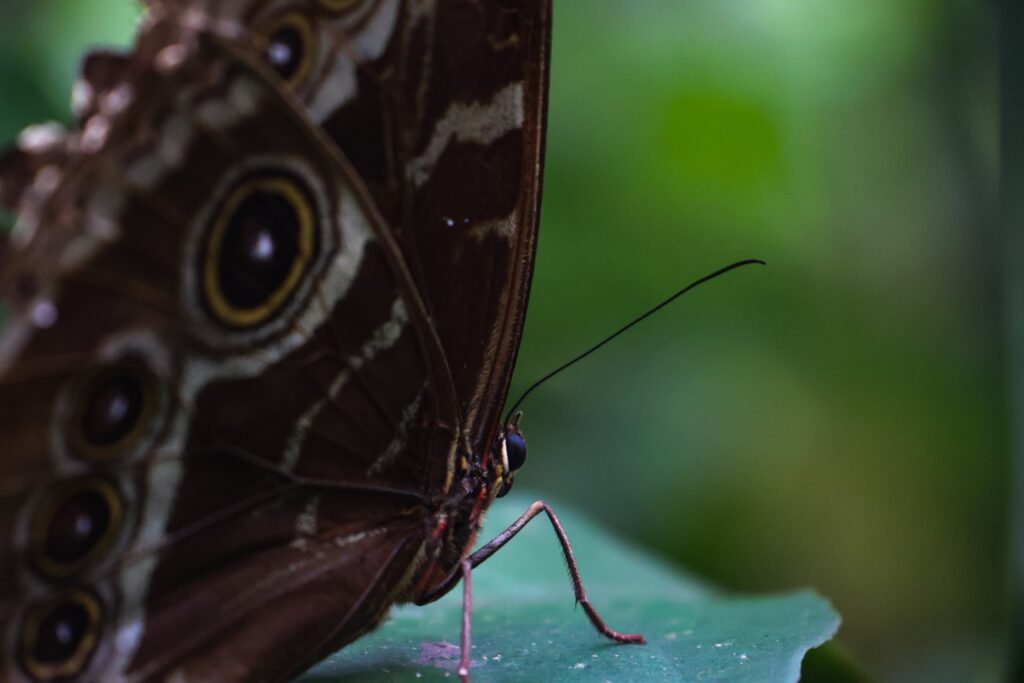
(616, 333)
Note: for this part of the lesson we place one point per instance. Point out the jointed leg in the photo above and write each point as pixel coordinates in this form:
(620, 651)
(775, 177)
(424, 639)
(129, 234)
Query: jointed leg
(504, 537)
(577, 583)
(467, 619)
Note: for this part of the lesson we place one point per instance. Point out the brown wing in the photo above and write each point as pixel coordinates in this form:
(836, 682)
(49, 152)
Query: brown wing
(440, 106)
(469, 164)
(223, 411)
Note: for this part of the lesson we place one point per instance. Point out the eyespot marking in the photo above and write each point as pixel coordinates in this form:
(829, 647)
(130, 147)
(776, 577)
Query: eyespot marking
(58, 638)
(75, 526)
(290, 48)
(114, 408)
(261, 244)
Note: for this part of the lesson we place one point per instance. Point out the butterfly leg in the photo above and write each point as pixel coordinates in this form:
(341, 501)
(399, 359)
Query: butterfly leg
(504, 537)
(467, 620)
(574, 573)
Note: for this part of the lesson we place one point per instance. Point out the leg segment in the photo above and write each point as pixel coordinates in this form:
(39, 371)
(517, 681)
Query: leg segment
(467, 619)
(507, 535)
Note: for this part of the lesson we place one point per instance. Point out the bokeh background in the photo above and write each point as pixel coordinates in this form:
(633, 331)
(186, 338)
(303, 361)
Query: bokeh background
(837, 420)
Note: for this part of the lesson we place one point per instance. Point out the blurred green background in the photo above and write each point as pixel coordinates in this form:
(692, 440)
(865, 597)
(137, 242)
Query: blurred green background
(837, 420)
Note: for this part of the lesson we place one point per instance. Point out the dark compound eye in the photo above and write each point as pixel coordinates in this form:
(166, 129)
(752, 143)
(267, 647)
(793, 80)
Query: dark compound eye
(112, 409)
(515, 447)
(59, 638)
(260, 247)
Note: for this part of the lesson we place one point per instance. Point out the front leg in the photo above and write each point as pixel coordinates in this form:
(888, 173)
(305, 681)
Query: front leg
(465, 568)
(574, 573)
(466, 653)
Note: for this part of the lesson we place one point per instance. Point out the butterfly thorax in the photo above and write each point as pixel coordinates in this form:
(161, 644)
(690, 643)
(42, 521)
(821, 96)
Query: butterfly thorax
(454, 532)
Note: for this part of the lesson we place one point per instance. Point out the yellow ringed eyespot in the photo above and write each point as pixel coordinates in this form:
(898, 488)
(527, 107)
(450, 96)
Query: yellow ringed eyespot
(260, 245)
(59, 637)
(75, 526)
(290, 48)
(113, 408)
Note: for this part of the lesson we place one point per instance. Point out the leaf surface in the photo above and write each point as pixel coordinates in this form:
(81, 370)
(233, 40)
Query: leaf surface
(526, 627)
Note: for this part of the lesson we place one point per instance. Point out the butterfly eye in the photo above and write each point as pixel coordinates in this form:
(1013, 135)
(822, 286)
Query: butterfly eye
(75, 526)
(59, 638)
(114, 409)
(515, 447)
(290, 48)
(261, 244)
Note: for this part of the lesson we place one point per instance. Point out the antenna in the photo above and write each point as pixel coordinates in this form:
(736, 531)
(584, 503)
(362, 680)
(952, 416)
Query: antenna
(616, 333)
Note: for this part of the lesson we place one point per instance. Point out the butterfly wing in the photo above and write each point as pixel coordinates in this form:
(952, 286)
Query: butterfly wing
(223, 411)
(440, 105)
(469, 169)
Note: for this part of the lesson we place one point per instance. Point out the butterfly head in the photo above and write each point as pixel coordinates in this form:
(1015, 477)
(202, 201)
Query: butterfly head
(512, 447)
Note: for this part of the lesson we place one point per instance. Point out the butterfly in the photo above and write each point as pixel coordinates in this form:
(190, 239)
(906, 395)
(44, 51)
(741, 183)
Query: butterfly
(260, 312)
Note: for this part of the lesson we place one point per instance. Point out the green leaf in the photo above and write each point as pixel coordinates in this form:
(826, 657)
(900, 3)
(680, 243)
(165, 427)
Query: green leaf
(526, 628)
